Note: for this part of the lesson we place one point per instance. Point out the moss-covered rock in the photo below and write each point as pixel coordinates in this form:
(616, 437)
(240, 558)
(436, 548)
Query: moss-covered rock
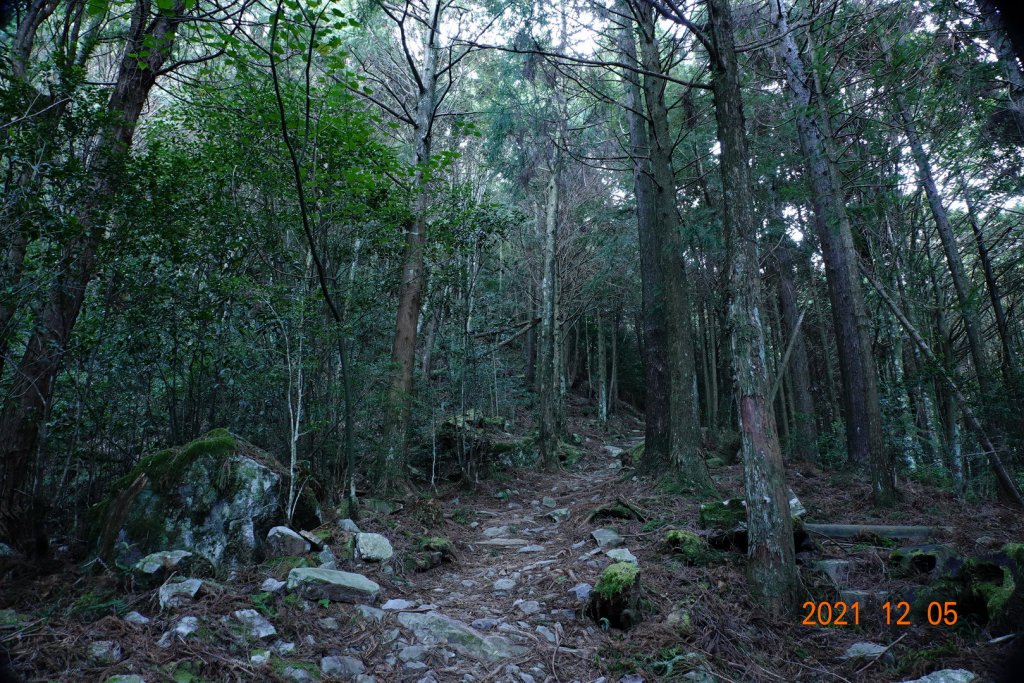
(216, 496)
(690, 547)
(615, 599)
(987, 591)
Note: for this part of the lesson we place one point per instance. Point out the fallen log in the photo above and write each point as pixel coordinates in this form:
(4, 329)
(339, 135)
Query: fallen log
(851, 531)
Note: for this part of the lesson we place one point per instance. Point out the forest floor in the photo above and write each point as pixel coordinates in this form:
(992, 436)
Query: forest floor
(700, 622)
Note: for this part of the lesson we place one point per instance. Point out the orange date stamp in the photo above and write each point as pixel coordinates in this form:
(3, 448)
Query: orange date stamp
(895, 613)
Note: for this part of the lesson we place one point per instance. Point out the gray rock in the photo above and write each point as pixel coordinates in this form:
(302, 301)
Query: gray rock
(796, 508)
(105, 652)
(504, 585)
(373, 548)
(370, 613)
(217, 499)
(283, 542)
(528, 607)
(496, 531)
(485, 624)
(178, 592)
(699, 676)
(343, 667)
(349, 526)
(526, 678)
(532, 549)
(257, 624)
(548, 634)
(559, 515)
(137, 619)
(396, 604)
(294, 673)
(272, 585)
(332, 584)
(867, 599)
(606, 538)
(549, 502)
(327, 558)
(126, 678)
(621, 555)
(468, 583)
(836, 570)
(412, 653)
(365, 678)
(946, 676)
(432, 628)
(868, 650)
(581, 591)
(504, 542)
(162, 563)
(185, 627)
(259, 657)
(632, 678)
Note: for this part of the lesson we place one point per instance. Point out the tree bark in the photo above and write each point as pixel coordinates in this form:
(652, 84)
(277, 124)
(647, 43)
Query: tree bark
(861, 408)
(771, 556)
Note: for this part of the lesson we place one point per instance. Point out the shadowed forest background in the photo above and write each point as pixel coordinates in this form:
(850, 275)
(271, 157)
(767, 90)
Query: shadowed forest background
(417, 254)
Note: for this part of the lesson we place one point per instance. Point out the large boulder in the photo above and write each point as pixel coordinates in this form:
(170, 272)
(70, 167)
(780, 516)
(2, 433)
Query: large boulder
(339, 586)
(216, 496)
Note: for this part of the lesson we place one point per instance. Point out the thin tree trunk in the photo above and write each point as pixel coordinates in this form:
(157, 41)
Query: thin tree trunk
(547, 372)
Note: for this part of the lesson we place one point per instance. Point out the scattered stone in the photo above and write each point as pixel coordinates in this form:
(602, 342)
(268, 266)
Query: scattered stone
(431, 628)
(370, 613)
(373, 548)
(105, 652)
(178, 592)
(185, 627)
(485, 624)
(272, 585)
(349, 526)
(581, 591)
(622, 555)
(295, 673)
(126, 678)
(283, 648)
(867, 599)
(332, 584)
(137, 619)
(496, 531)
(504, 542)
(632, 678)
(327, 558)
(796, 508)
(157, 566)
(412, 653)
(528, 607)
(548, 634)
(259, 627)
(283, 542)
(559, 515)
(396, 604)
(259, 657)
(689, 546)
(699, 676)
(869, 650)
(549, 502)
(680, 618)
(532, 549)
(468, 583)
(946, 676)
(504, 585)
(342, 667)
(838, 571)
(330, 623)
(606, 538)
(365, 678)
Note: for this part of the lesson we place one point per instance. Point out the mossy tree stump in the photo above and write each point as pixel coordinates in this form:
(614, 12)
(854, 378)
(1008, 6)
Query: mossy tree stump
(615, 600)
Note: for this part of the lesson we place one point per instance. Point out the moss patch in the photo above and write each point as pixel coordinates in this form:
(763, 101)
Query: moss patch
(689, 546)
(616, 580)
(724, 515)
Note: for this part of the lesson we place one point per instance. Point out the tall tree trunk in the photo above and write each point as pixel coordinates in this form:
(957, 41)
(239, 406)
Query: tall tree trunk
(391, 464)
(547, 373)
(602, 372)
(654, 350)
(684, 429)
(1001, 43)
(862, 411)
(771, 556)
(26, 409)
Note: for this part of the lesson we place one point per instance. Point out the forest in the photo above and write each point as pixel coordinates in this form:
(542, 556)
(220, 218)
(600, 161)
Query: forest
(504, 340)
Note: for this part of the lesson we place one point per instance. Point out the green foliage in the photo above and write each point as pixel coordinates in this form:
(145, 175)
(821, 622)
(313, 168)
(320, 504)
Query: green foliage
(616, 580)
